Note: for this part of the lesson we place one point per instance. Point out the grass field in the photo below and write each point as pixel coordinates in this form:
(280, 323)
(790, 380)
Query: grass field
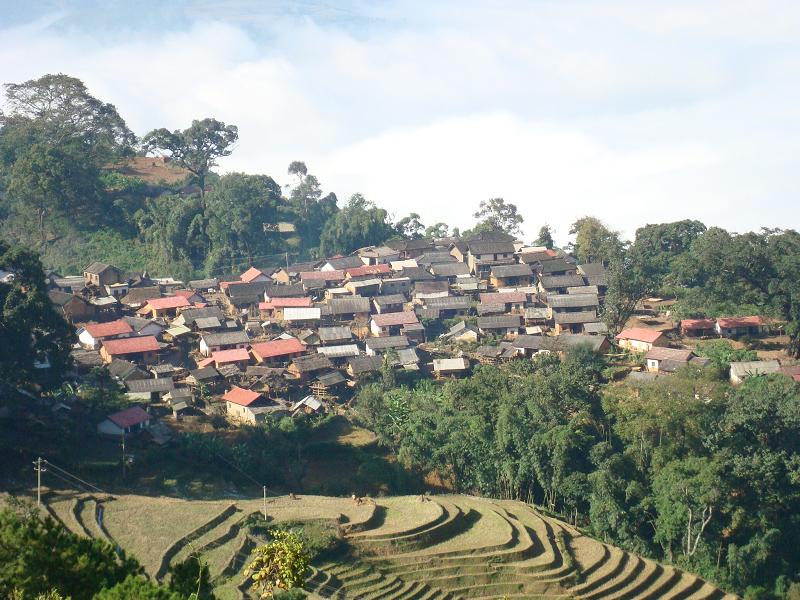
(434, 548)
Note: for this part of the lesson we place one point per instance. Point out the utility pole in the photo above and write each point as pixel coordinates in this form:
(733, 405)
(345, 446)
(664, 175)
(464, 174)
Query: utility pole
(265, 503)
(123, 454)
(39, 469)
(287, 262)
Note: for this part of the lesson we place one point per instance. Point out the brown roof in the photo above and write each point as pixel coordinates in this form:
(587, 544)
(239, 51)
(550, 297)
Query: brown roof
(396, 318)
(101, 330)
(133, 345)
(129, 417)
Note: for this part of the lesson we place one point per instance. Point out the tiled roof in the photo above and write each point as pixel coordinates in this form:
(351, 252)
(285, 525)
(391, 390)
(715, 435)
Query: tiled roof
(132, 345)
(673, 354)
(129, 417)
(101, 330)
(499, 322)
(692, 324)
(335, 275)
(369, 270)
(222, 357)
(286, 303)
(241, 396)
(639, 334)
(251, 274)
(167, 302)
(275, 348)
(397, 318)
(732, 322)
(503, 298)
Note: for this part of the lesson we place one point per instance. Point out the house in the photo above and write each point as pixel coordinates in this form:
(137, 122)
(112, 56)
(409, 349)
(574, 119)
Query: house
(741, 326)
(191, 317)
(339, 352)
(482, 256)
(667, 359)
(164, 307)
(205, 376)
(450, 367)
(302, 316)
(438, 257)
(414, 274)
(335, 335)
(558, 284)
(253, 275)
(598, 328)
(100, 274)
(595, 274)
(512, 301)
(502, 325)
(92, 334)
(241, 405)
(361, 365)
(123, 370)
(574, 322)
(210, 284)
(341, 263)
(368, 271)
(138, 297)
(555, 267)
(354, 308)
(378, 255)
(698, 327)
(275, 308)
(533, 344)
(277, 350)
(149, 390)
(176, 332)
(130, 420)
(462, 332)
(408, 359)
(377, 345)
(571, 312)
(389, 303)
(143, 326)
(143, 349)
(238, 357)
(431, 289)
(450, 270)
(449, 306)
(320, 279)
(364, 287)
(396, 285)
(303, 367)
(292, 272)
(744, 369)
(308, 337)
(310, 405)
(225, 340)
(73, 308)
(391, 323)
(179, 400)
(514, 275)
(411, 248)
(71, 284)
(191, 295)
(537, 315)
(640, 339)
(584, 289)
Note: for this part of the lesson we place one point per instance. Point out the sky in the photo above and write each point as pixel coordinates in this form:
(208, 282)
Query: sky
(628, 110)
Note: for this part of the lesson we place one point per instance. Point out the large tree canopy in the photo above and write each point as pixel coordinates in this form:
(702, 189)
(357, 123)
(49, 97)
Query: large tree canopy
(495, 215)
(360, 223)
(34, 340)
(196, 148)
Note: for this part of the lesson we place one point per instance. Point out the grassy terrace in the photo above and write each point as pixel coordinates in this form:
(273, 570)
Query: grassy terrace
(442, 548)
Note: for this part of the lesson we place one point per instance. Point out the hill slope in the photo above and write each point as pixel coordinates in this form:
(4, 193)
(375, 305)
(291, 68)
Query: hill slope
(445, 547)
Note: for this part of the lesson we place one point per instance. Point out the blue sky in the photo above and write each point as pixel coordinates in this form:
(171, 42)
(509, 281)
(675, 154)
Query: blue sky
(631, 111)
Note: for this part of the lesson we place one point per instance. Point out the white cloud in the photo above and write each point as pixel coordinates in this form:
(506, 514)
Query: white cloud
(632, 111)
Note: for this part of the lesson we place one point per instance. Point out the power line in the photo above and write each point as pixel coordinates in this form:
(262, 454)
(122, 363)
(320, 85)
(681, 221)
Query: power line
(68, 474)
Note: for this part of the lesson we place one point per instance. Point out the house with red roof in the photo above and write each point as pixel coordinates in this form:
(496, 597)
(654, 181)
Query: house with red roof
(125, 422)
(733, 327)
(368, 271)
(142, 349)
(167, 306)
(640, 339)
(274, 308)
(92, 334)
(191, 295)
(242, 405)
(698, 327)
(391, 323)
(277, 350)
(253, 275)
(236, 356)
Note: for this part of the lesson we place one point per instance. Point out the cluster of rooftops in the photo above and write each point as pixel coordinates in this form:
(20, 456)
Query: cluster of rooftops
(311, 330)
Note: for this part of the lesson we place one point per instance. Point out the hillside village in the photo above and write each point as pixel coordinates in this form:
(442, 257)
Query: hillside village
(272, 342)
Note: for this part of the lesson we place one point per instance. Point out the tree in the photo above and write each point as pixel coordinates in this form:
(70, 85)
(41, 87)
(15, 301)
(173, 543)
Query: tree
(191, 578)
(410, 227)
(34, 340)
(545, 237)
(630, 279)
(360, 223)
(38, 555)
(306, 205)
(138, 587)
(50, 182)
(437, 230)
(594, 242)
(239, 211)
(280, 564)
(58, 109)
(197, 148)
(496, 214)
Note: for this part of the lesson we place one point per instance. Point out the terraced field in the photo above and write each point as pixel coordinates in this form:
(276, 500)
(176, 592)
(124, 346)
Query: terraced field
(440, 548)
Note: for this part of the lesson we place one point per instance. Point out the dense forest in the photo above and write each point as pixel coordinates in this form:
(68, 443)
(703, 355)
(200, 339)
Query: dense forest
(686, 469)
